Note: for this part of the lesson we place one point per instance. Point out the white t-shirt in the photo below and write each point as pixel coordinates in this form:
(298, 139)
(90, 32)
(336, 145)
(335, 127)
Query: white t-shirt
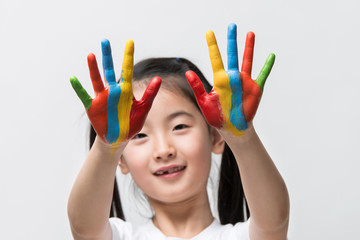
(122, 230)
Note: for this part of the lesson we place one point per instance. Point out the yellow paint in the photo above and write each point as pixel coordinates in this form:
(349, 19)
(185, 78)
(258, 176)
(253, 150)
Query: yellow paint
(222, 87)
(221, 83)
(126, 97)
(124, 109)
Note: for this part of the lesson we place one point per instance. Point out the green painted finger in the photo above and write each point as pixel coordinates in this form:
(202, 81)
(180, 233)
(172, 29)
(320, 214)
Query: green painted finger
(81, 92)
(265, 71)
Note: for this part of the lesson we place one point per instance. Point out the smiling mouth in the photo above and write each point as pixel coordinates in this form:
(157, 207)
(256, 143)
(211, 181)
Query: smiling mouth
(169, 171)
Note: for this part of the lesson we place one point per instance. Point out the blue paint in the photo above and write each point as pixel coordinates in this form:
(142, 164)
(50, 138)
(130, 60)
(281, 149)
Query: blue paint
(112, 113)
(237, 118)
(114, 94)
(232, 52)
(108, 65)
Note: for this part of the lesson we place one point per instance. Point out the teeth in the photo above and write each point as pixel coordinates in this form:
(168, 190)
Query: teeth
(168, 171)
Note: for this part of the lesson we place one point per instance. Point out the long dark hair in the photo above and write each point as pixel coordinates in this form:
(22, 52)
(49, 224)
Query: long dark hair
(232, 205)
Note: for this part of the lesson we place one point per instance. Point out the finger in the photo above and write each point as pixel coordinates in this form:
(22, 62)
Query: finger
(196, 85)
(94, 74)
(265, 71)
(215, 57)
(248, 53)
(232, 48)
(81, 92)
(151, 91)
(128, 62)
(108, 65)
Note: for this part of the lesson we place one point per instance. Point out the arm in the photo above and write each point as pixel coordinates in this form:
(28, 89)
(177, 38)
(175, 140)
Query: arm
(90, 198)
(230, 107)
(116, 116)
(264, 188)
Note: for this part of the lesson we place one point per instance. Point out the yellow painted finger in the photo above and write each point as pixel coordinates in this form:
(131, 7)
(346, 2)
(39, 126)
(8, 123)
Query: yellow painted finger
(215, 56)
(128, 62)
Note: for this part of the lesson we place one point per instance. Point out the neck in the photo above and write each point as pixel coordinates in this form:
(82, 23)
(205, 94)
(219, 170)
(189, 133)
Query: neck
(183, 219)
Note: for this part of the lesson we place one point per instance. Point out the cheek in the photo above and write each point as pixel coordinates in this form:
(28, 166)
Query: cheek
(136, 159)
(198, 149)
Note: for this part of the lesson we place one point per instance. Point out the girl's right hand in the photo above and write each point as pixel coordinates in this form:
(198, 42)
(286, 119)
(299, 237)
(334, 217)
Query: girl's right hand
(114, 112)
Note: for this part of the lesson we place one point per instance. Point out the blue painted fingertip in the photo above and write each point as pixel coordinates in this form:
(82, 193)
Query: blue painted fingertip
(232, 52)
(105, 46)
(108, 65)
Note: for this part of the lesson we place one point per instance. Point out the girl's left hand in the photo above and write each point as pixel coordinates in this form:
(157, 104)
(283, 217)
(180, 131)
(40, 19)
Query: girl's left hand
(233, 101)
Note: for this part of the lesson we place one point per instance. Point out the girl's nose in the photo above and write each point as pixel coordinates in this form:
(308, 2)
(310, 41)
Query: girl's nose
(164, 150)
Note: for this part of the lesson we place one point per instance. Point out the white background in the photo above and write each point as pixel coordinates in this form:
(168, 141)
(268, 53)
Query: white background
(308, 118)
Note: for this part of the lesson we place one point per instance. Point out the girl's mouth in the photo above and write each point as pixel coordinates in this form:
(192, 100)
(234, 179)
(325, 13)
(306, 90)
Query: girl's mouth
(169, 170)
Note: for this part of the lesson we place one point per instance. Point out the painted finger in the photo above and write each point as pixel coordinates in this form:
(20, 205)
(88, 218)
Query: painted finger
(128, 62)
(94, 74)
(151, 91)
(248, 53)
(81, 92)
(108, 65)
(232, 51)
(141, 108)
(215, 56)
(196, 85)
(265, 71)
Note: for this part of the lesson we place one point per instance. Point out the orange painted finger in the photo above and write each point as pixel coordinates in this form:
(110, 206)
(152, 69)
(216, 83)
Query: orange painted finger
(248, 53)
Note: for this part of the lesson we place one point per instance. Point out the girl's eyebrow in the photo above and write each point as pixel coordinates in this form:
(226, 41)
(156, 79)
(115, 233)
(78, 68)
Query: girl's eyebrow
(179, 113)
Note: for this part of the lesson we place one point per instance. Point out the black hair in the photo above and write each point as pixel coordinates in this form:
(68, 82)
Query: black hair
(232, 205)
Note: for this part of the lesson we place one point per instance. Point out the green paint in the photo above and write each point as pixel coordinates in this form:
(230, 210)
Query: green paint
(81, 92)
(265, 71)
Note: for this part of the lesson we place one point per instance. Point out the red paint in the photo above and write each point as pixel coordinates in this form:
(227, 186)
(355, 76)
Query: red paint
(251, 97)
(209, 103)
(251, 91)
(246, 66)
(140, 108)
(97, 112)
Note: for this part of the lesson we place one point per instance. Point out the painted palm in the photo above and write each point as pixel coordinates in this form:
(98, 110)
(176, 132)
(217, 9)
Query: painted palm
(114, 112)
(233, 101)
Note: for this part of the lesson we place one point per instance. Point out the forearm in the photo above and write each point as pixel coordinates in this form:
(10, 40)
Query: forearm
(264, 188)
(90, 199)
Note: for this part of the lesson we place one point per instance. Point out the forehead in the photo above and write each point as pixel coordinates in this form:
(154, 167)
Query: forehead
(173, 83)
(164, 95)
(168, 102)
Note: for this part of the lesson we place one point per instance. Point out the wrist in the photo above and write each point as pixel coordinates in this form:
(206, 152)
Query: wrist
(109, 149)
(229, 137)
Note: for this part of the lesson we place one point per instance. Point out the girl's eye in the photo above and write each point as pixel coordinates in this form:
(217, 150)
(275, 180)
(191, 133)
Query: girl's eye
(139, 136)
(180, 127)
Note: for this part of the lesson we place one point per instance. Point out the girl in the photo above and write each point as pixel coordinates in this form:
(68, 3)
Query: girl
(165, 140)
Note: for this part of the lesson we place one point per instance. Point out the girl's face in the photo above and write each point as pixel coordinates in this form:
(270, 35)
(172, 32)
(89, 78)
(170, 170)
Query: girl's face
(170, 158)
